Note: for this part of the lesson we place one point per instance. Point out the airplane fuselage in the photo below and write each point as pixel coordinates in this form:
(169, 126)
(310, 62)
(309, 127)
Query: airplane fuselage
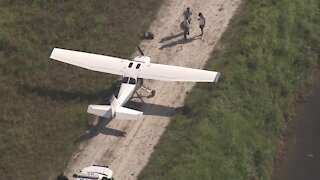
(130, 83)
(128, 87)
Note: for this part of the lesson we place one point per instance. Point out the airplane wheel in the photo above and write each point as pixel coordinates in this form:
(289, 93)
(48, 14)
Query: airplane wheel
(153, 93)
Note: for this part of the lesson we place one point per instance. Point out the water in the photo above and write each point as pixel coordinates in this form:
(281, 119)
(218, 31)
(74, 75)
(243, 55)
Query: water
(302, 160)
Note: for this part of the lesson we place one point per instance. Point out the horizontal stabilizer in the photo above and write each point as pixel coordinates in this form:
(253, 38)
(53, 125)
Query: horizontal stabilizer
(123, 113)
(100, 110)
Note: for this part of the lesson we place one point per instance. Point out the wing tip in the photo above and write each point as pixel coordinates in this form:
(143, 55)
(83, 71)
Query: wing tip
(217, 77)
(52, 53)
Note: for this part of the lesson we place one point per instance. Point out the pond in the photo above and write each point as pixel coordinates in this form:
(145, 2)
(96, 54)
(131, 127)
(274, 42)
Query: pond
(302, 159)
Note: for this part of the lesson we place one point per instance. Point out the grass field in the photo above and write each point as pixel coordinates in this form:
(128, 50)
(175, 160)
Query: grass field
(230, 130)
(43, 103)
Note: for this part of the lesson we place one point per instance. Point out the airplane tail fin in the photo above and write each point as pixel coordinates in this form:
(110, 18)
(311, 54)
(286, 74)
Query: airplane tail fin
(123, 113)
(100, 110)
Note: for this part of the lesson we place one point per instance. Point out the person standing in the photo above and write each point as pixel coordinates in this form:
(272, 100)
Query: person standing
(187, 14)
(202, 22)
(186, 25)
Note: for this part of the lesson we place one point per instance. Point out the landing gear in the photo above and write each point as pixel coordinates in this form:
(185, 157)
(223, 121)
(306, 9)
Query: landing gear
(140, 97)
(152, 92)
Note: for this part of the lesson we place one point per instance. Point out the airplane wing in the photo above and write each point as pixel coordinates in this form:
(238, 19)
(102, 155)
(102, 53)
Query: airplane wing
(120, 66)
(176, 73)
(91, 61)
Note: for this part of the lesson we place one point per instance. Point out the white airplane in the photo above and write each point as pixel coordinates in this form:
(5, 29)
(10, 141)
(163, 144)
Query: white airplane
(133, 72)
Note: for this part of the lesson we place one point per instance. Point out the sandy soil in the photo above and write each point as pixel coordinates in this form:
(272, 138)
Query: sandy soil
(125, 146)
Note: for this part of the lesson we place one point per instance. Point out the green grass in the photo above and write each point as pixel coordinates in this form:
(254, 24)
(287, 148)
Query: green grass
(229, 130)
(43, 103)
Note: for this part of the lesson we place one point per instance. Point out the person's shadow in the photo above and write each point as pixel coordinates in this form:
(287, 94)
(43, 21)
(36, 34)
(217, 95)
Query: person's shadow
(180, 41)
(170, 37)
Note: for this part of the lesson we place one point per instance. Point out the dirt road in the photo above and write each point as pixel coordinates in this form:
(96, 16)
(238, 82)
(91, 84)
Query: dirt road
(127, 154)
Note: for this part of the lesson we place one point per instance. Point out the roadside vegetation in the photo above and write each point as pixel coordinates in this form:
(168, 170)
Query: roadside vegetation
(43, 103)
(230, 130)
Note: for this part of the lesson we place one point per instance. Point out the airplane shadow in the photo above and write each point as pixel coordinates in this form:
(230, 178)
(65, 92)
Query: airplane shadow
(180, 41)
(170, 37)
(70, 95)
(100, 128)
(152, 109)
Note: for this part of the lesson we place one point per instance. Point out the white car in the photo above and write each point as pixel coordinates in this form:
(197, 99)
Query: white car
(94, 172)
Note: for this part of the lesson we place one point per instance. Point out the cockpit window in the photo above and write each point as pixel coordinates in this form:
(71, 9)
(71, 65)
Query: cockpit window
(132, 81)
(138, 66)
(125, 80)
(129, 80)
(130, 65)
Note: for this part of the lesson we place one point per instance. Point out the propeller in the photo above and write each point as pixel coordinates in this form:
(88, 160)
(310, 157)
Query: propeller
(141, 52)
